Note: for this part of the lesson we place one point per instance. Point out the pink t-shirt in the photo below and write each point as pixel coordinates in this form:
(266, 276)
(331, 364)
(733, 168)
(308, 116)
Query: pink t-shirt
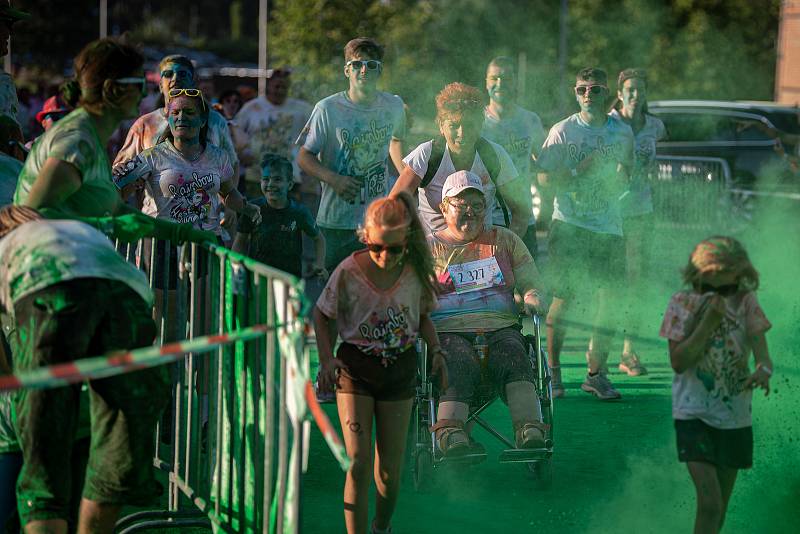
(381, 323)
(712, 390)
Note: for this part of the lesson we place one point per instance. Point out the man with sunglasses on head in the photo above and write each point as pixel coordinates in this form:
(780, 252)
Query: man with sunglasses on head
(346, 144)
(177, 72)
(586, 160)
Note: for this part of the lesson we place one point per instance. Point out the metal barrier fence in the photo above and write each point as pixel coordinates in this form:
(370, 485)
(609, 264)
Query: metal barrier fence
(234, 442)
(692, 192)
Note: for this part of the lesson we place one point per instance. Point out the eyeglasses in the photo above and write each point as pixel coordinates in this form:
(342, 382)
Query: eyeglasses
(593, 89)
(134, 81)
(177, 73)
(475, 207)
(358, 64)
(391, 249)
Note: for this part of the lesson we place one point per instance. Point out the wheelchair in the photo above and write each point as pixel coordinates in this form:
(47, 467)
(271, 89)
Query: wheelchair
(425, 454)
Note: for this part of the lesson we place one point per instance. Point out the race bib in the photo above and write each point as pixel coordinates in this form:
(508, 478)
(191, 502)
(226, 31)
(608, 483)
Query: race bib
(475, 275)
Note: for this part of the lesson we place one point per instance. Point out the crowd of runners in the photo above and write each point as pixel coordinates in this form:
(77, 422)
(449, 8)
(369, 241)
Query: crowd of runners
(436, 241)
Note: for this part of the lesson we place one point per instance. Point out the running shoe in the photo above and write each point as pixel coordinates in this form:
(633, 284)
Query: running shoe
(629, 363)
(600, 386)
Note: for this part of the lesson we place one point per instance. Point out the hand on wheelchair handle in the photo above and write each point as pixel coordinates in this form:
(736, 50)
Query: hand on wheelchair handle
(328, 374)
(439, 368)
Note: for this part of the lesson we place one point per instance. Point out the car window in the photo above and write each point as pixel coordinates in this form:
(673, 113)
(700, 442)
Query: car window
(752, 130)
(698, 127)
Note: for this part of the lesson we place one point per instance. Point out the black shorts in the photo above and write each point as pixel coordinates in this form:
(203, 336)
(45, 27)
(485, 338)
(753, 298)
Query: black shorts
(699, 442)
(365, 375)
(583, 261)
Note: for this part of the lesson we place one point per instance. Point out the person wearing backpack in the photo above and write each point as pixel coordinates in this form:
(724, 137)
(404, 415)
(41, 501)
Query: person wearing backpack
(459, 115)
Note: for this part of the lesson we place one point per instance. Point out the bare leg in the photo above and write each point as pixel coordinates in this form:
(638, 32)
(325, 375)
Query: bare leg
(555, 330)
(727, 478)
(604, 323)
(97, 518)
(709, 497)
(355, 416)
(391, 425)
(46, 526)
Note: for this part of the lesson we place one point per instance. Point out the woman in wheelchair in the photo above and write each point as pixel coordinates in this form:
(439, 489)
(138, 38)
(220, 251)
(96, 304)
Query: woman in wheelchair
(479, 270)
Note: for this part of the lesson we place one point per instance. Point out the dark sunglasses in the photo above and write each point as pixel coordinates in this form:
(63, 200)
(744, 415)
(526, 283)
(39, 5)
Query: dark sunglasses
(593, 89)
(357, 64)
(725, 291)
(391, 249)
(179, 73)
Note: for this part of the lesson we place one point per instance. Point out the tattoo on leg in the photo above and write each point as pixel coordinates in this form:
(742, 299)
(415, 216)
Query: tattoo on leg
(354, 427)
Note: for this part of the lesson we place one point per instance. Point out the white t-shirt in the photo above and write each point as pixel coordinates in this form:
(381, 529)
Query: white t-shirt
(521, 133)
(353, 140)
(590, 201)
(183, 191)
(713, 390)
(39, 254)
(272, 129)
(382, 323)
(431, 195)
(639, 198)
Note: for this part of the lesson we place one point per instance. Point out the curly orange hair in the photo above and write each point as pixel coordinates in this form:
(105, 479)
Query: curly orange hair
(457, 100)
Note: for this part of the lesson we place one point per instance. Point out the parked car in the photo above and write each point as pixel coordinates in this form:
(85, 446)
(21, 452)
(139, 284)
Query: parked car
(753, 137)
(760, 141)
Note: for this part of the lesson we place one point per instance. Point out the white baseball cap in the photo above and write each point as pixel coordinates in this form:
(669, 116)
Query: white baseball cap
(459, 181)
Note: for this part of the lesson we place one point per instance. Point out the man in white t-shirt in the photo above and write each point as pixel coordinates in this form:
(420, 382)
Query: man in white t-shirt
(346, 145)
(516, 129)
(586, 160)
(271, 125)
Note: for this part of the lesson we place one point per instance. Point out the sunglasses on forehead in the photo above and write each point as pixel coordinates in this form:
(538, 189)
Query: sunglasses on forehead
(358, 64)
(391, 249)
(592, 89)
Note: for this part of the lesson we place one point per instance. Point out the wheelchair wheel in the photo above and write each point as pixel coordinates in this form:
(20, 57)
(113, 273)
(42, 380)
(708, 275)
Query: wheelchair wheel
(542, 473)
(422, 469)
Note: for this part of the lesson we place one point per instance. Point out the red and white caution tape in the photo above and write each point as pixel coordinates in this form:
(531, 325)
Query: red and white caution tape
(325, 426)
(119, 362)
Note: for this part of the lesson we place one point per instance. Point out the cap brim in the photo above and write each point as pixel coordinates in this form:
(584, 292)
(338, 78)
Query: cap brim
(40, 115)
(458, 190)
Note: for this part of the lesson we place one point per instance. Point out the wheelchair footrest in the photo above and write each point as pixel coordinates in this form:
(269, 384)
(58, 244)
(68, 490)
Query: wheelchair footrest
(470, 458)
(524, 455)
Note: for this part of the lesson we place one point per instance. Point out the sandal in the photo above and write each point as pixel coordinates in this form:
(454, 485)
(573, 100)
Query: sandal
(451, 438)
(629, 363)
(530, 435)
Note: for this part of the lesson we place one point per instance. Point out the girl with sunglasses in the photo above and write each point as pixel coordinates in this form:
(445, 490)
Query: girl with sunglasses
(67, 169)
(377, 300)
(177, 73)
(636, 204)
(712, 329)
(185, 178)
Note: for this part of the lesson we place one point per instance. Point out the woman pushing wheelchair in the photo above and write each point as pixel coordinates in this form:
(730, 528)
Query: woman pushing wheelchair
(479, 269)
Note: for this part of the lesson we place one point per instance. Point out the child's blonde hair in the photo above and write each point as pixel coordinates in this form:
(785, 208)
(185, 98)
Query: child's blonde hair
(396, 212)
(720, 254)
